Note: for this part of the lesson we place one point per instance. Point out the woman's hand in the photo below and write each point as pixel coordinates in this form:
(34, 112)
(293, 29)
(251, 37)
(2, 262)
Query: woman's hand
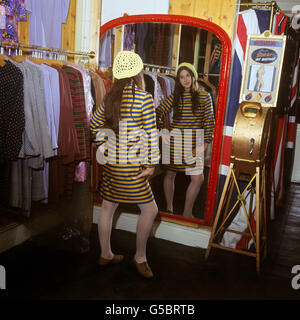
(148, 172)
(100, 154)
(197, 151)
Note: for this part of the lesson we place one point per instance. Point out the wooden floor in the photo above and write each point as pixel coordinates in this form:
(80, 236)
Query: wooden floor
(49, 268)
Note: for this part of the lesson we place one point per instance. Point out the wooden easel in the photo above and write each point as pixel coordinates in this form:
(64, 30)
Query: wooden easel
(223, 217)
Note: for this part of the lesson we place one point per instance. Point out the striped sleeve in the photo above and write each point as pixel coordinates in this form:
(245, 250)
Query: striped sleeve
(96, 124)
(149, 126)
(165, 106)
(208, 118)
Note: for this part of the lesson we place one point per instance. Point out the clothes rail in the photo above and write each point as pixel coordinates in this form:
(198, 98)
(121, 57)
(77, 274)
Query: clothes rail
(158, 66)
(273, 5)
(55, 50)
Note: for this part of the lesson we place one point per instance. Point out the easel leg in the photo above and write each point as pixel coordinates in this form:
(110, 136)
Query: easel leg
(219, 211)
(258, 219)
(265, 210)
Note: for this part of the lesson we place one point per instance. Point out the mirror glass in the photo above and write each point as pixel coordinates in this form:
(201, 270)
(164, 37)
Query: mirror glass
(162, 47)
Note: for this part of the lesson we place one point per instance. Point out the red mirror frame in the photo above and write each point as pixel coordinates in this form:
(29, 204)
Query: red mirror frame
(222, 95)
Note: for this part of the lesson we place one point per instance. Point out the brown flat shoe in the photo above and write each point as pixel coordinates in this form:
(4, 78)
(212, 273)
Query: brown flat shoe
(116, 259)
(144, 269)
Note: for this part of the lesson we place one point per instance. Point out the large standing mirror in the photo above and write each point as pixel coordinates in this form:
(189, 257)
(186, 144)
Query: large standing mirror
(163, 42)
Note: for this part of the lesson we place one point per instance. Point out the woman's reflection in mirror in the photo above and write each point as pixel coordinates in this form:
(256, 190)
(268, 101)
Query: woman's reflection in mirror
(192, 109)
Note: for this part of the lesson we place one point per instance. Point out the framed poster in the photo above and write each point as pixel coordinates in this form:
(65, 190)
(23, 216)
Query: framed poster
(262, 69)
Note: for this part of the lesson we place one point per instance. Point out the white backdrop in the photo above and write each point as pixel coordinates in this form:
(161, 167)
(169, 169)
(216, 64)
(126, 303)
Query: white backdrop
(112, 9)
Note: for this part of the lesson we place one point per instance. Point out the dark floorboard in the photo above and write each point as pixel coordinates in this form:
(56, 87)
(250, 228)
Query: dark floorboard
(47, 268)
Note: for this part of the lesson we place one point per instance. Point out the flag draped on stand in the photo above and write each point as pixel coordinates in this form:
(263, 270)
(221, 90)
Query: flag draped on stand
(249, 22)
(252, 21)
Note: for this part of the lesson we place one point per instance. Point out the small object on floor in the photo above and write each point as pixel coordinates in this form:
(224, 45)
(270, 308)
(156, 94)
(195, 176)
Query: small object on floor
(115, 260)
(143, 269)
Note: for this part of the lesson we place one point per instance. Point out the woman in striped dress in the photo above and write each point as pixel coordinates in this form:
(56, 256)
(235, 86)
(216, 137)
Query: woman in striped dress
(192, 109)
(124, 127)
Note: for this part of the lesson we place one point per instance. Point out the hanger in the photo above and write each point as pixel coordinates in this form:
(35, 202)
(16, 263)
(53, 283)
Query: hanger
(19, 56)
(37, 57)
(84, 63)
(2, 61)
(92, 66)
(2, 56)
(55, 61)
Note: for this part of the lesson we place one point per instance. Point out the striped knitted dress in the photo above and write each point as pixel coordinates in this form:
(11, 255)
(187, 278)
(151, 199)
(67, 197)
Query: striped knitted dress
(204, 119)
(135, 147)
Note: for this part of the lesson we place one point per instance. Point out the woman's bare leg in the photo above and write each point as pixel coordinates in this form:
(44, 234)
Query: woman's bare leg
(104, 228)
(191, 194)
(169, 188)
(143, 229)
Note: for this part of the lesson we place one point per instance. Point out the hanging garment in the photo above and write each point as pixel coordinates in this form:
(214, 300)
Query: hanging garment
(68, 146)
(99, 86)
(13, 11)
(80, 170)
(168, 84)
(30, 146)
(47, 122)
(79, 112)
(27, 174)
(142, 46)
(105, 58)
(129, 36)
(106, 80)
(12, 119)
(46, 18)
(161, 50)
(187, 44)
(156, 92)
(86, 86)
(215, 58)
(81, 124)
(20, 186)
(54, 106)
(37, 99)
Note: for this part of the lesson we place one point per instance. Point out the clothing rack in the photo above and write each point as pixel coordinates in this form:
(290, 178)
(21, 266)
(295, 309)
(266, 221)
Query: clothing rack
(272, 4)
(21, 46)
(158, 67)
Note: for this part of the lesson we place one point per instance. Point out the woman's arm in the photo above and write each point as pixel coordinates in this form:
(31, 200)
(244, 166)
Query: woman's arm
(96, 125)
(149, 126)
(208, 119)
(165, 107)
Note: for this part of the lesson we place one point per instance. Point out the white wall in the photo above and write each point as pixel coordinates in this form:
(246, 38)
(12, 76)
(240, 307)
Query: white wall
(112, 9)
